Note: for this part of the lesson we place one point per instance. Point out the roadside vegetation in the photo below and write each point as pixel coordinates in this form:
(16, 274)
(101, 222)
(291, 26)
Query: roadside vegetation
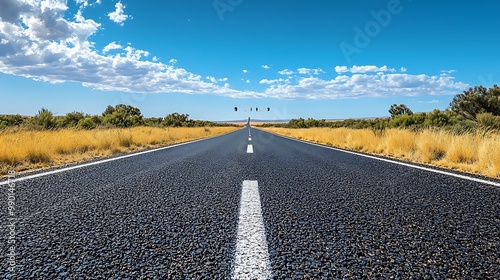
(46, 140)
(465, 137)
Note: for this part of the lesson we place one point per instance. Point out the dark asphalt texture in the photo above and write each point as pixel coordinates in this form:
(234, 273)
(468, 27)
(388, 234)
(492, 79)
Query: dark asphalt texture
(173, 214)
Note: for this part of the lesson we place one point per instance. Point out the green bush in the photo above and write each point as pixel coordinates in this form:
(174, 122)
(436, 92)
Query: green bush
(488, 120)
(44, 119)
(87, 123)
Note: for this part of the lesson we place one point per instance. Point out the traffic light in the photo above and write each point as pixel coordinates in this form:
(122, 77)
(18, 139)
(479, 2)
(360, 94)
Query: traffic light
(256, 109)
(235, 109)
(250, 109)
(268, 109)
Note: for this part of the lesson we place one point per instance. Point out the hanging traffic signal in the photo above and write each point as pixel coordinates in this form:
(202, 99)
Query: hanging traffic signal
(256, 109)
(235, 109)
(268, 109)
(250, 109)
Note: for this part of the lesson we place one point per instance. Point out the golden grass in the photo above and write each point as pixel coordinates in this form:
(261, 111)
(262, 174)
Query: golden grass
(477, 153)
(24, 150)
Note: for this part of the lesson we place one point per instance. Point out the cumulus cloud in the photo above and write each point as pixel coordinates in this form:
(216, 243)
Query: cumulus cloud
(364, 85)
(286, 72)
(172, 61)
(118, 15)
(212, 79)
(37, 41)
(445, 72)
(429, 101)
(85, 3)
(245, 71)
(341, 69)
(307, 71)
(403, 70)
(266, 81)
(265, 66)
(370, 68)
(111, 46)
(275, 81)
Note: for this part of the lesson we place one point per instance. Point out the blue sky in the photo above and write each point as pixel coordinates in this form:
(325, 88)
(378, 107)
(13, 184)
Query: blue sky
(321, 59)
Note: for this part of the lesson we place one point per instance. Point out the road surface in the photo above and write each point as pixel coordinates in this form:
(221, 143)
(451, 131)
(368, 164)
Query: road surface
(249, 205)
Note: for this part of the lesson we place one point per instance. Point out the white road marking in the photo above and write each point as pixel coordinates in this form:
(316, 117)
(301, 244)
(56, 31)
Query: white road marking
(251, 260)
(482, 181)
(250, 139)
(250, 149)
(102, 161)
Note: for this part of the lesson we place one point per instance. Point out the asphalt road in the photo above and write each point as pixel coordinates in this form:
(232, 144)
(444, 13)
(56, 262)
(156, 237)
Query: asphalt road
(219, 209)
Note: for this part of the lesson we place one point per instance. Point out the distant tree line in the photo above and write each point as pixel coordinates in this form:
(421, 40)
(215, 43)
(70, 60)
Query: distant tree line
(120, 116)
(475, 108)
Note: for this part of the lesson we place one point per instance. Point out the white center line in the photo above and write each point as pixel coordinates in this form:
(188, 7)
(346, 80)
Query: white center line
(251, 259)
(250, 149)
(250, 139)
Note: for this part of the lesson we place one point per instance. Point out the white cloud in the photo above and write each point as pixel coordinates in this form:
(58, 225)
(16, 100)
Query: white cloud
(429, 101)
(247, 81)
(308, 71)
(445, 73)
(364, 85)
(266, 81)
(265, 66)
(40, 43)
(286, 72)
(43, 45)
(111, 46)
(370, 68)
(172, 61)
(403, 70)
(245, 71)
(85, 3)
(341, 69)
(118, 15)
(212, 79)
(275, 81)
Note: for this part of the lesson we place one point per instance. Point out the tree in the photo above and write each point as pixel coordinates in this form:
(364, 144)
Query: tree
(438, 118)
(87, 123)
(44, 118)
(72, 119)
(176, 120)
(400, 109)
(477, 100)
(123, 115)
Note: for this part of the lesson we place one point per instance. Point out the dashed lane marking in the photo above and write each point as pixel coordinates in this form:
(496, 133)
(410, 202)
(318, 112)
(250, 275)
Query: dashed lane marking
(251, 260)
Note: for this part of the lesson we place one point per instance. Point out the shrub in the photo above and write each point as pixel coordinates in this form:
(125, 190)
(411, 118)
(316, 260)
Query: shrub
(488, 120)
(87, 123)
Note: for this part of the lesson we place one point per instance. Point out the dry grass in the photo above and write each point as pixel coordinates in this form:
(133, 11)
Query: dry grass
(475, 152)
(24, 150)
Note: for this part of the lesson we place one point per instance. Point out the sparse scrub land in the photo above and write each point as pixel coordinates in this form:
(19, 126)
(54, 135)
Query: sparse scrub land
(24, 150)
(46, 140)
(470, 152)
(465, 137)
